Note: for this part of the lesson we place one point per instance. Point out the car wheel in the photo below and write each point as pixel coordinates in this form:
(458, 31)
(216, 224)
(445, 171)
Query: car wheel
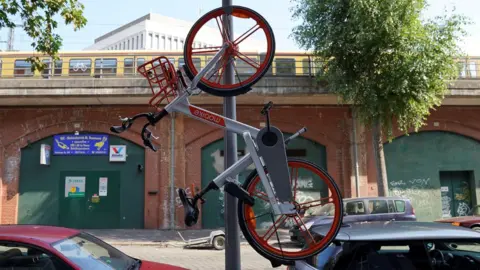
(219, 242)
(476, 228)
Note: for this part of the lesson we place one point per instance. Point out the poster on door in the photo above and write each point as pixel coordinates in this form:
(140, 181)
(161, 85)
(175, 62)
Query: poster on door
(102, 186)
(74, 186)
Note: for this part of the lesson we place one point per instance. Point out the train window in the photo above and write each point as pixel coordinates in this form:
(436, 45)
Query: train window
(197, 62)
(243, 67)
(48, 70)
(128, 66)
(285, 66)
(306, 66)
(140, 61)
(22, 68)
(473, 70)
(269, 71)
(462, 66)
(106, 67)
(80, 67)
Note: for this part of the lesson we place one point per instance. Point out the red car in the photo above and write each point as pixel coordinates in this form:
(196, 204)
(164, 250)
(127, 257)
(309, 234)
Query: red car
(50, 247)
(471, 220)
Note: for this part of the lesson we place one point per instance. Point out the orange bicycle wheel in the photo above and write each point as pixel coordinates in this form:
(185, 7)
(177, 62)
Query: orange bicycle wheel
(313, 192)
(252, 51)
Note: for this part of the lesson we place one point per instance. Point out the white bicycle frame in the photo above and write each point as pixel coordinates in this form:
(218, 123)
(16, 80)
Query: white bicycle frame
(182, 105)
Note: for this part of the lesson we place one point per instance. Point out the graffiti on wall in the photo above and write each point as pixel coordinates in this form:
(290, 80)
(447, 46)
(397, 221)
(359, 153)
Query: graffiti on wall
(446, 202)
(463, 209)
(420, 191)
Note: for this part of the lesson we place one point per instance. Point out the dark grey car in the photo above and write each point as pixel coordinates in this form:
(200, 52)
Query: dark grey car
(398, 245)
(357, 210)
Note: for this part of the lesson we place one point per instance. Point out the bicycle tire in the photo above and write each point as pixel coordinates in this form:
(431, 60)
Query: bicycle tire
(190, 69)
(283, 259)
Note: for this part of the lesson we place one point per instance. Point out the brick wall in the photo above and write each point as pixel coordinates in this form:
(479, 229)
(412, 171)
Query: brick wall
(327, 125)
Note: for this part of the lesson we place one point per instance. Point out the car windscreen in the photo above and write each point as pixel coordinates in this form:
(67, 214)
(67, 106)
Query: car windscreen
(89, 252)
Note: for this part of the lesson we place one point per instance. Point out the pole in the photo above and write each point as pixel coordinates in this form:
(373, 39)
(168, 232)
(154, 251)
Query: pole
(232, 235)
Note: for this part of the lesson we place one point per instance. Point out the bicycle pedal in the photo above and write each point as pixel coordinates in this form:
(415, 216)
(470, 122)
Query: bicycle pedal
(238, 192)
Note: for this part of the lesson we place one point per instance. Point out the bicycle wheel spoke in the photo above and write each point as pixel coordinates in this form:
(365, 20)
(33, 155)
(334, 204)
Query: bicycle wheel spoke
(304, 231)
(270, 232)
(295, 184)
(224, 64)
(206, 50)
(261, 195)
(259, 216)
(247, 60)
(319, 200)
(242, 38)
(223, 30)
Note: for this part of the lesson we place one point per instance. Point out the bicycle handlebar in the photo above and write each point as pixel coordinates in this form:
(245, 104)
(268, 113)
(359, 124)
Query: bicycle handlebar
(152, 118)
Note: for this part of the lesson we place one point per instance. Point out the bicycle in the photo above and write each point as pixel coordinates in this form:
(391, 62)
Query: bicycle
(266, 146)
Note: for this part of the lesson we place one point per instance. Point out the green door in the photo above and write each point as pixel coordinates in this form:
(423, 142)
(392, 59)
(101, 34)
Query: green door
(212, 165)
(456, 193)
(42, 189)
(84, 206)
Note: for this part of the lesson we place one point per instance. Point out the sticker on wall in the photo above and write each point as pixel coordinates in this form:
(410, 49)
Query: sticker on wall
(95, 198)
(45, 154)
(102, 186)
(444, 189)
(118, 153)
(74, 186)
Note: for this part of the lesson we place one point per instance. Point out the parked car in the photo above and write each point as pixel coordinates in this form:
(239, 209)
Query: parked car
(471, 220)
(51, 247)
(356, 210)
(398, 245)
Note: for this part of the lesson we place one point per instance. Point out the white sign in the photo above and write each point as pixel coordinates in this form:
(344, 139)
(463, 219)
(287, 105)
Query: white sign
(118, 153)
(45, 154)
(444, 189)
(102, 186)
(75, 186)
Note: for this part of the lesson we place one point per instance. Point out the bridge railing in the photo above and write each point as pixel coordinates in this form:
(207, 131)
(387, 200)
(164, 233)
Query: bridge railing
(108, 66)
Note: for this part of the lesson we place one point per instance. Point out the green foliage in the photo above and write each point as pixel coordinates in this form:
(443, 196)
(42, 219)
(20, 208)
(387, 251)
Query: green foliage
(39, 23)
(381, 57)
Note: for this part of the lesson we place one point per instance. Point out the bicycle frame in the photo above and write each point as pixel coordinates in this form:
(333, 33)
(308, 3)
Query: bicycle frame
(182, 105)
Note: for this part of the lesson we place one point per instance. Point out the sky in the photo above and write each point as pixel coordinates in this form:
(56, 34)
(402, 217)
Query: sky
(106, 15)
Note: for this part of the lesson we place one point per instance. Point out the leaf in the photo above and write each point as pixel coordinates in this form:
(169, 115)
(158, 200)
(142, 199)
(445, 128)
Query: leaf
(38, 23)
(381, 56)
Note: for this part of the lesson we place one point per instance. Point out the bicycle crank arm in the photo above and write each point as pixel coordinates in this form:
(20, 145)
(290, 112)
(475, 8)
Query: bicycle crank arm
(238, 192)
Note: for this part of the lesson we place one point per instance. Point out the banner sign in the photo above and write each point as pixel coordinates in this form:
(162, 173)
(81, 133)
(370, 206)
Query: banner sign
(83, 144)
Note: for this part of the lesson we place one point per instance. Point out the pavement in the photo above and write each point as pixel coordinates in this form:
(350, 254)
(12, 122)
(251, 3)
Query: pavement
(166, 246)
(159, 238)
(198, 259)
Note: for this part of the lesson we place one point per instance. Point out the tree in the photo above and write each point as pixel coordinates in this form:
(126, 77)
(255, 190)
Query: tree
(381, 57)
(39, 23)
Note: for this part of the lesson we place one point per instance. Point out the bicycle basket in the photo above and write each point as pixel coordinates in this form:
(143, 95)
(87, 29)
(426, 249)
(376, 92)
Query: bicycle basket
(161, 76)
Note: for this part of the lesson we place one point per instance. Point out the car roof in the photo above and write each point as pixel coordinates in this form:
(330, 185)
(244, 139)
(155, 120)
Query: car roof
(43, 233)
(399, 230)
(375, 198)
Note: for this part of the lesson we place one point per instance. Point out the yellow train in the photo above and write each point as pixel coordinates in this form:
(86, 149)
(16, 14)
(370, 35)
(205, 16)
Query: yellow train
(124, 63)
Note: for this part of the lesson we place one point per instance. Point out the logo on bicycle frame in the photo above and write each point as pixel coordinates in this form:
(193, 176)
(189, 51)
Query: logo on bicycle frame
(207, 116)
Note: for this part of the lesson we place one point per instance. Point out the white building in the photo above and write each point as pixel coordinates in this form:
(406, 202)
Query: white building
(157, 32)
